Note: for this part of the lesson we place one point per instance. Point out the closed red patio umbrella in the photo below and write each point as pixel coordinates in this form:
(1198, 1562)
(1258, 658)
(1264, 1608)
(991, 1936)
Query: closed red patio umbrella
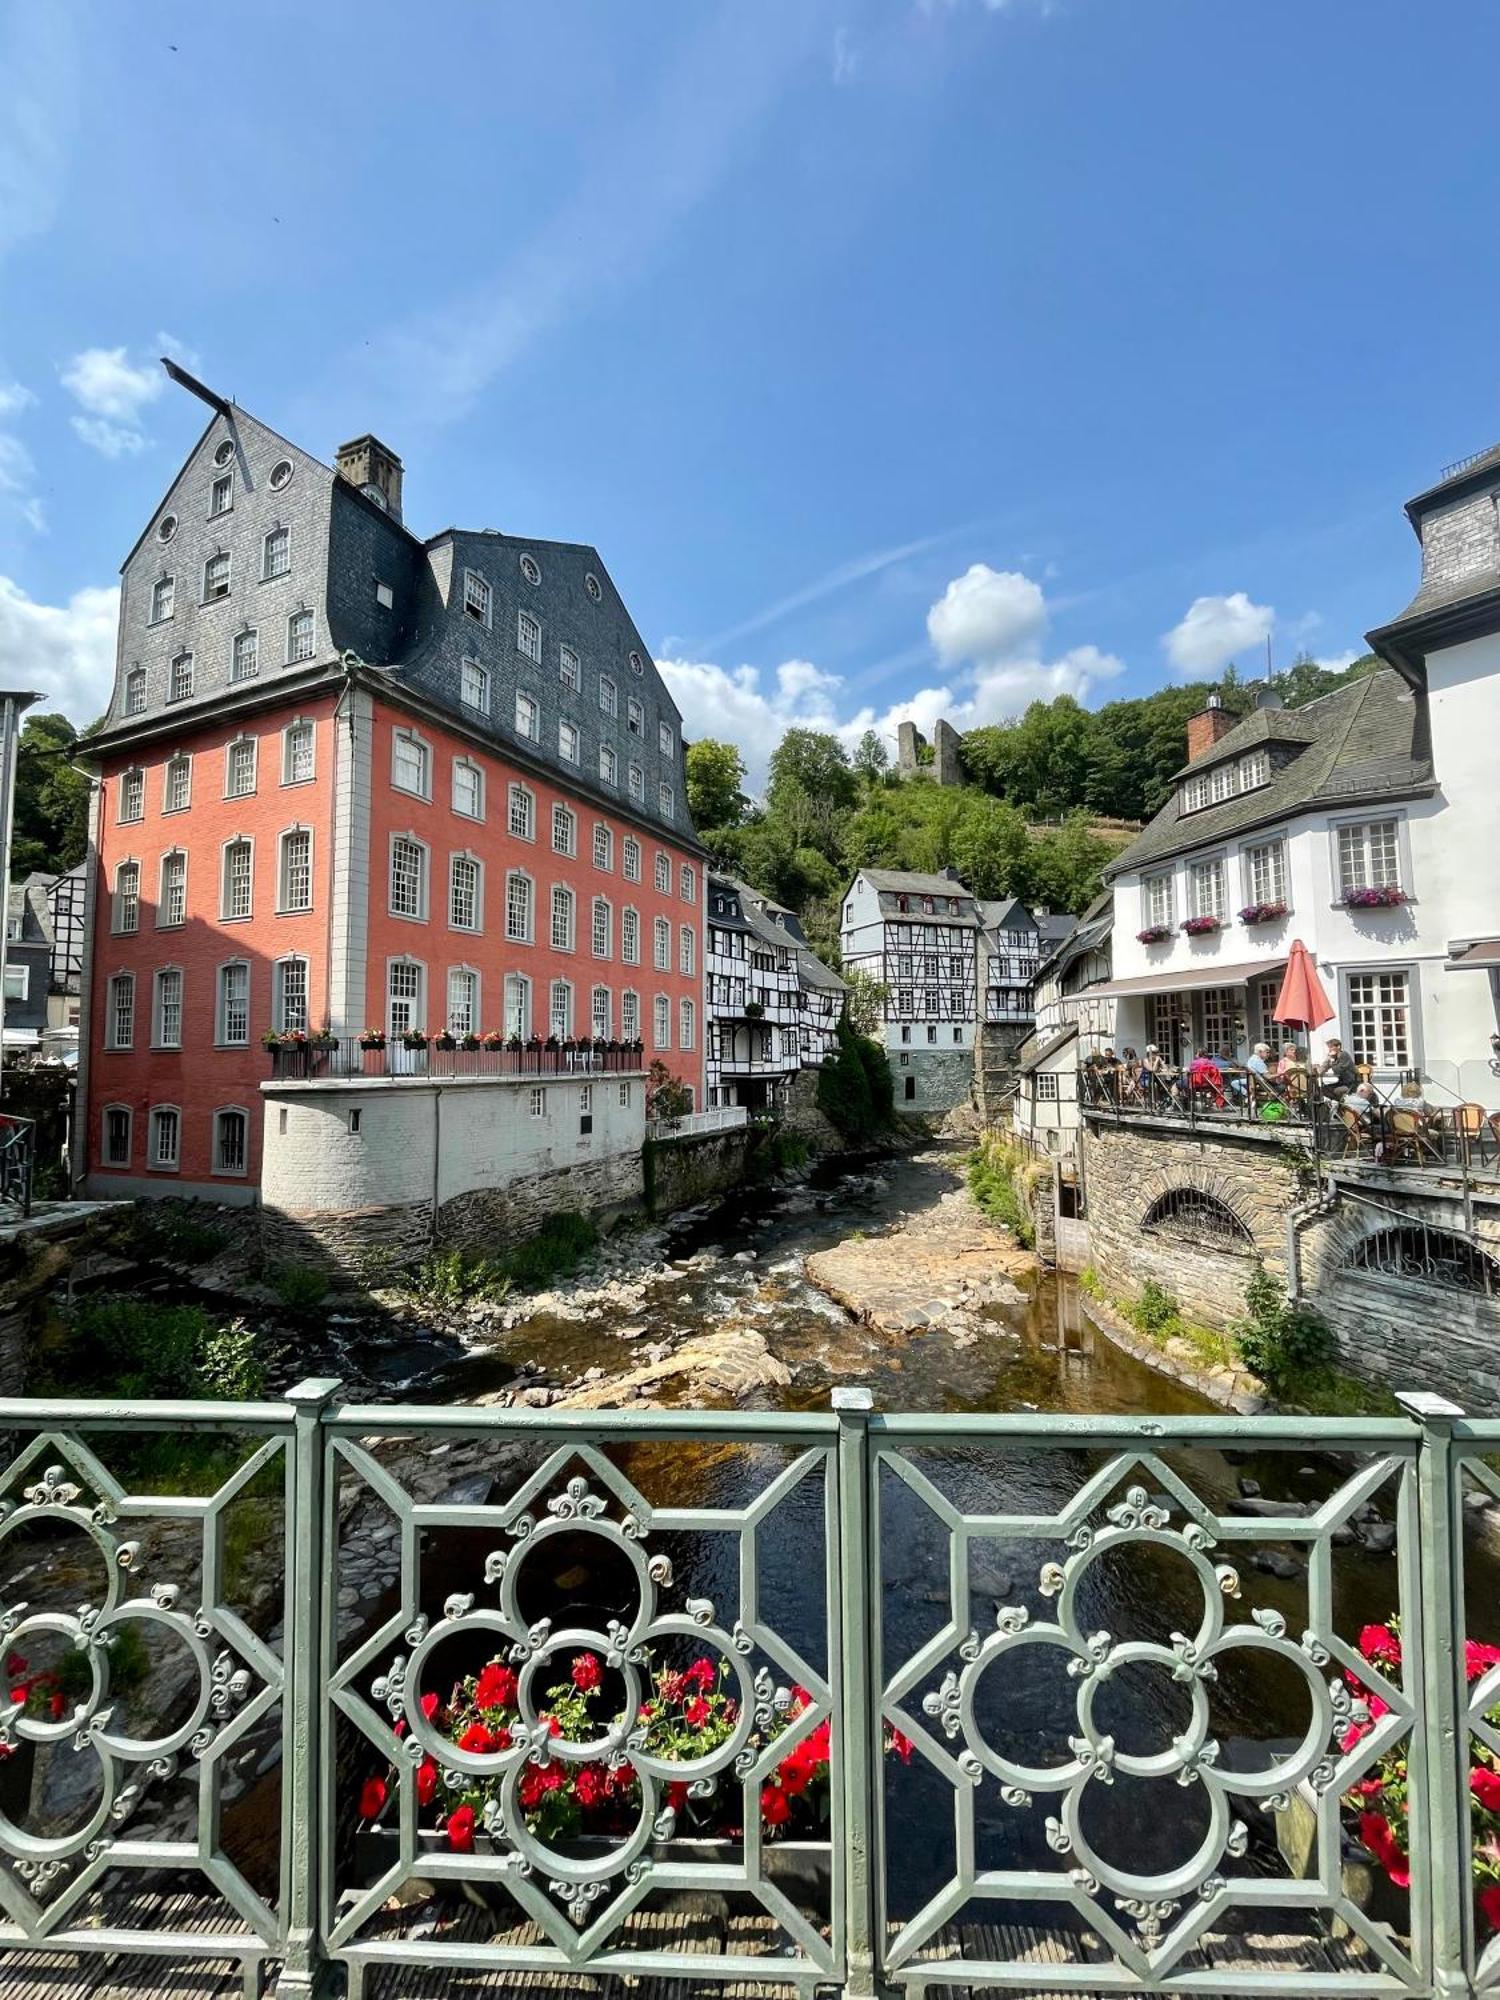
(1301, 1003)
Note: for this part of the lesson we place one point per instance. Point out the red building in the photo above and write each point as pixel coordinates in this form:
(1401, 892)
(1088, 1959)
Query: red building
(351, 779)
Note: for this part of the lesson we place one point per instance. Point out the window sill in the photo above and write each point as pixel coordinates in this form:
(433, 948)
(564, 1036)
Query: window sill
(295, 784)
(302, 910)
(171, 923)
(247, 917)
(405, 917)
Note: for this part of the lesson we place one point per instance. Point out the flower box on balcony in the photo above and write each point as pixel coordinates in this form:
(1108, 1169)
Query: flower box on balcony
(445, 1042)
(413, 1038)
(1386, 897)
(1154, 934)
(372, 1038)
(754, 1011)
(1262, 913)
(1200, 926)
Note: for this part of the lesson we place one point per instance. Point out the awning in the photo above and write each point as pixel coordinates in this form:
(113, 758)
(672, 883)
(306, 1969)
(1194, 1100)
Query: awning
(1194, 979)
(1479, 955)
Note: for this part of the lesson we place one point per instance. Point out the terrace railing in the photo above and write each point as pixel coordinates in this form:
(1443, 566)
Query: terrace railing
(445, 1058)
(17, 1161)
(1043, 1703)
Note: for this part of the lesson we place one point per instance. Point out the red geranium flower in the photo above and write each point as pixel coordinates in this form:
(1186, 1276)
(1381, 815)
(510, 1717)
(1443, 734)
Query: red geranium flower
(700, 1675)
(902, 1746)
(477, 1738)
(1489, 1904)
(372, 1799)
(427, 1777)
(430, 1706)
(677, 1794)
(1379, 1642)
(1479, 1659)
(496, 1687)
(1383, 1844)
(697, 1712)
(775, 1807)
(586, 1673)
(1485, 1785)
(460, 1830)
(793, 1776)
(591, 1786)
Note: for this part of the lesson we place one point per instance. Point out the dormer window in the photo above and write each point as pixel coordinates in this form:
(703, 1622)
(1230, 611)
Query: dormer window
(1222, 783)
(476, 596)
(135, 691)
(1255, 770)
(1195, 793)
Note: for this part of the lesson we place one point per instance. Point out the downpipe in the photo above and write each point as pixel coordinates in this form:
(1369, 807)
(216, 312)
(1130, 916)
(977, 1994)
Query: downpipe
(1322, 1202)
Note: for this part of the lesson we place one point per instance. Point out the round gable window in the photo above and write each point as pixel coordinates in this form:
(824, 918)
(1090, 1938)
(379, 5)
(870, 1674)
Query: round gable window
(529, 569)
(166, 527)
(591, 585)
(637, 665)
(281, 473)
(224, 452)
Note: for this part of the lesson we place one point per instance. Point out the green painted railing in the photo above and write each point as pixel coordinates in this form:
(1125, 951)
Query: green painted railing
(1042, 1703)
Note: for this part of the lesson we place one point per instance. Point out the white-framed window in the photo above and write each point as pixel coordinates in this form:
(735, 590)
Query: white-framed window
(687, 882)
(599, 1012)
(132, 797)
(216, 577)
(625, 1087)
(564, 831)
(686, 1024)
(604, 846)
(569, 742)
(528, 717)
(1381, 1029)
(1156, 894)
(560, 1010)
(232, 1005)
(569, 672)
(298, 752)
(661, 1022)
(609, 696)
(463, 1000)
(687, 951)
(238, 878)
(630, 1016)
(244, 655)
(119, 1019)
(171, 901)
(661, 944)
(239, 768)
(609, 766)
(474, 686)
(166, 1138)
(666, 741)
(385, 597)
(520, 899)
(411, 763)
(521, 812)
(518, 1006)
(221, 495)
(1223, 783)
(289, 996)
(1369, 855)
(135, 691)
(125, 909)
(585, 1101)
(231, 1140)
(408, 897)
(600, 927)
(666, 801)
(180, 682)
(276, 554)
(115, 1135)
(635, 717)
(468, 789)
(1045, 1082)
(465, 893)
(1255, 769)
(294, 876)
(1206, 887)
(301, 637)
(1265, 872)
(405, 996)
(635, 780)
(529, 636)
(163, 599)
(630, 935)
(631, 858)
(663, 874)
(536, 1101)
(477, 596)
(563, 917)
(1195, 792)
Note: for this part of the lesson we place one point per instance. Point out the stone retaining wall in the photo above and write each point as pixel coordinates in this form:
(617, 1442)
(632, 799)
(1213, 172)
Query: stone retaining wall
(679, 1173)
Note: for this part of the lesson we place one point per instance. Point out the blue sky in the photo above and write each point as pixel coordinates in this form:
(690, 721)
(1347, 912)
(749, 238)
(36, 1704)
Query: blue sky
(899, 355)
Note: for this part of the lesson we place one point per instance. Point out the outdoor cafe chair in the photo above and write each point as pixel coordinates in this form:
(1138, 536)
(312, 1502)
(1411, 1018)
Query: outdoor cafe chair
(1473, 1127)
(1357, 1134)
(1409, 1139)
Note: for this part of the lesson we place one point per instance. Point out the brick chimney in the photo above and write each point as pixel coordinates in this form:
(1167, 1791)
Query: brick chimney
(1209, 726)
(374, 468)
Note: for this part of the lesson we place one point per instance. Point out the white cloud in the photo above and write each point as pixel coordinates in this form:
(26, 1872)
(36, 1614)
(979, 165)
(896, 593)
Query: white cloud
(987, 614)
(64, 651)
(1214, 630)
(734, 704)
(14, 397)
(845, 56)
(112, 391)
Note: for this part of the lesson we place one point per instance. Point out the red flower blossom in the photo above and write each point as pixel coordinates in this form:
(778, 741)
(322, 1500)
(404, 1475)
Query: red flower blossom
(372, 1799)
(793, 1776)
(1387, 1850)
(430, 1706)
(14, 1664)
(496, 1687)
(1379, 1642)
(1489, 1904)
(586, 1673)
(677, 1794)
(537, 1781)
(591, 1786)
(460, 1830)
(696, 1712)
(902, 1745)
(1479, 1659)
(700, 1675)
(775, 1807)
(800, 1699)
(427, 1777)
(477, 1738)
(56, 1705)
(1485, 1785)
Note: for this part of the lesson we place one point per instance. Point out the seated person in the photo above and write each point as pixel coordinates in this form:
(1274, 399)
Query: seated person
(1205, 1074)
(1258, 1062)
(1336, 1073)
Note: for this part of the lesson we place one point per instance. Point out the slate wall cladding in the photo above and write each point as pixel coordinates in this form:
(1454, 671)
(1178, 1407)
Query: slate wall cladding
(1458, 540)
(1400, 1333)
(366, 548)
(944, 1078)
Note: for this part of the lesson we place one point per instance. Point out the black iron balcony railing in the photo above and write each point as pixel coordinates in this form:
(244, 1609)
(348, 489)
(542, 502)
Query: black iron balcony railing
(446, 1057)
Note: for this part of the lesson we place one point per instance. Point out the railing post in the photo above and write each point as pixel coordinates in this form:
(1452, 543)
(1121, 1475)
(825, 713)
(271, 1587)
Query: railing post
(302, 1792)
(1443, 1704)
(859, 1698)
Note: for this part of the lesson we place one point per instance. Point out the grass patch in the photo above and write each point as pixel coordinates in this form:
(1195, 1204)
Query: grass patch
(176, 1232)
(450, 1277)
(1002, 1178)
(562, 1242)
(300, 1287)
(1157, 1315)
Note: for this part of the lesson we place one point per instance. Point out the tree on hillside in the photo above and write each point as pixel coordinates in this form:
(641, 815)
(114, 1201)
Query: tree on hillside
(715, 777)
(811, 762)
(52, 799)
(990, 847)
(871, 759)
(866, 1000)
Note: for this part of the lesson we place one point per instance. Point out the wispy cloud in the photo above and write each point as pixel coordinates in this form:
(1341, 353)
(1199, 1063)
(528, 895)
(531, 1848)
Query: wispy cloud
(112, 391)
(18, 496)
(857, 570)
(645, 177)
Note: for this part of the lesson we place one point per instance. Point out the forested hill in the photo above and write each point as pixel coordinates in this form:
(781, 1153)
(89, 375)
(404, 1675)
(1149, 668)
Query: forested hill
(1037, 818)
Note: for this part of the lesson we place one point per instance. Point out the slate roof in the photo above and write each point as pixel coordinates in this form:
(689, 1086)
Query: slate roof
(1055, 927)
(1089, 932)
(778, 925)
(994, 915)
(1050, 1047)
(1365, 741)
(891, 883)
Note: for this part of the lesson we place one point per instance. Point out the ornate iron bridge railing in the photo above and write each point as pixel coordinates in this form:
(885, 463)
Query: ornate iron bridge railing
(831, 1699)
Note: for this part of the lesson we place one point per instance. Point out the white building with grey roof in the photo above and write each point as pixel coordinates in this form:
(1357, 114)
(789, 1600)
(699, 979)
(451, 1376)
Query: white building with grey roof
(771, 1004)
(917, 935)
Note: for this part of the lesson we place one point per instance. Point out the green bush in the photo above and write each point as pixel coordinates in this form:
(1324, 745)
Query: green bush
(1156, 1312)
(175, 1233)
(844, 1093)
(878, 1076)
(787, 1152)
(998, 1175)
(448, 1277)
(299, 1287)
(1288, 1346)
(115, 1346)
(561, 1243)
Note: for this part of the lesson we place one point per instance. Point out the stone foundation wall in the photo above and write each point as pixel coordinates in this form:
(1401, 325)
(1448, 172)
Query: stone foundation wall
(995, 1070)
(679, 1173)
(512, 1213)
(800, 1114)
(944, 1079)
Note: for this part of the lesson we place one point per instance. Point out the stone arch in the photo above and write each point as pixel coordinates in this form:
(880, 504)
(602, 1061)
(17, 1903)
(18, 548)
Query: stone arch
(1198, 1217)
(1415, 1252)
